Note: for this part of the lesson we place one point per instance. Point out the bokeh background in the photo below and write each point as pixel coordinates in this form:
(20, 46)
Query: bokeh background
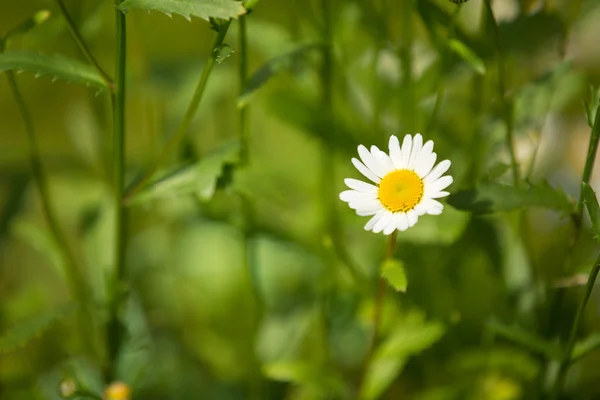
(280, 307)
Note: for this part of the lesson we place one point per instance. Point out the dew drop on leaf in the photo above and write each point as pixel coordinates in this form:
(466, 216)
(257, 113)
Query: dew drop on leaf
(222, 52)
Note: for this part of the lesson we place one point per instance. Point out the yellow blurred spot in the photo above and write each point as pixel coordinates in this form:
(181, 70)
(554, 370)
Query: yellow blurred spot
(41, 16)
(117, 391)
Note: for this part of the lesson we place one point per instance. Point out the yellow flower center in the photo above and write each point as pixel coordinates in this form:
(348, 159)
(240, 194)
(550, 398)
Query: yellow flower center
(400, 191)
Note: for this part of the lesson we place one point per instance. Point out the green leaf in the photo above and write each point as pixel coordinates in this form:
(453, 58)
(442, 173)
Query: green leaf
(464, 52)
(586, 346)
(393, 272)
(19, 335)
(411, 335)
(55, 66)
(591, 203)
(199, 178)
(496, 197)
(250, 4)
(526, 339)
(205, 9)
(272, 67)
(497, 170)
(306, 373)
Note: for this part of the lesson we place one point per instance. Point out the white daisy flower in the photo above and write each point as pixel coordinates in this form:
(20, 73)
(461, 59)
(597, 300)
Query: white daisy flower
(406, 184)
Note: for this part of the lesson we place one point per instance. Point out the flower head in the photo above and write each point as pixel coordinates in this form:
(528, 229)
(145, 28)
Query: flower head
(406, 184)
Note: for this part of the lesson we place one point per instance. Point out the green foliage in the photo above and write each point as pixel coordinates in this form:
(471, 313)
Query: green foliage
(586, 346)
(410, 336)
(27, 25)
(591, 202)
(393, 272)
(272, 67)
(205, 9)
(496, 197)
(55, 66)
(524, 338)
(468, 55)
(31, 328)
(199, 179)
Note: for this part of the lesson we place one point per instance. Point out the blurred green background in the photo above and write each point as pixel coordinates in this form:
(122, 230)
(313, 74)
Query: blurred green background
(280, 307)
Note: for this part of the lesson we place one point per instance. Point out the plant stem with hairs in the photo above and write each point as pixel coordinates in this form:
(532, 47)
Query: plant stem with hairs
(117, 284)
(187, 119)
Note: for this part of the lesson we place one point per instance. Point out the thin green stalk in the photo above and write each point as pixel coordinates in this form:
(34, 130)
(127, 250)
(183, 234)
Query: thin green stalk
(589, 162)
(444, 64)
(568, 352)
(82, 46)
(507, 106)
(243, 76)
(377, 313)
(187, 118)
(75, 279)
(115, 329)
(408, 111)
(73, 273)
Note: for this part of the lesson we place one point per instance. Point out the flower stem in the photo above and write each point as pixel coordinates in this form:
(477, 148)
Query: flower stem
(589, 163)
(115, 329)
(74, 276)
(187, 119)
(507, 106)
(82, 46)
(377, 313)
(567, 355)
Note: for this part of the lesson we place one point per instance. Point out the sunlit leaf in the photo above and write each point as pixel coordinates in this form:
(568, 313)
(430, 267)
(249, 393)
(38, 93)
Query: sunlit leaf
(19, 335)
(55, 66)
(273, 67)
(199, 178)
(586, 346)
(591, 203)
(412, 335)
(205, 9)
(496, 197)
(524, 338)
(250, 4)
(305, 373)
(467, 55)
(392, 271)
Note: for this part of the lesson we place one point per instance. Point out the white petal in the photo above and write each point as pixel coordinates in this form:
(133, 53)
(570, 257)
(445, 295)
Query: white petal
(395, 152)
(415, 151)
(384, 159)
(423, 165)
(434, 207)
(413, 217)
(427, 148)
(406, 147)
(360, 185)
(374, 220)
(391, 227)
(366, 211)
(383, 222)
(357, 204)
(438, 195)
(353, 195)
(401, 221)
(421, 209)
(437, 171)
(370, 161)
(438, 185)
(365, 171)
